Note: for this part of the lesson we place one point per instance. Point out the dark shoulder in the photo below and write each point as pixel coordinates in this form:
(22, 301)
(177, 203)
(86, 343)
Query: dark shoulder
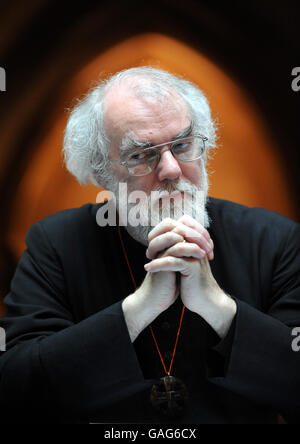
(71, 216)
(237, 217)
(70, 223)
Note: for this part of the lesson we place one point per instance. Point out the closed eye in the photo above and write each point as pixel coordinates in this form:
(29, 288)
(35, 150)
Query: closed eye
(182, 147)
(137, 156)
(141, 157)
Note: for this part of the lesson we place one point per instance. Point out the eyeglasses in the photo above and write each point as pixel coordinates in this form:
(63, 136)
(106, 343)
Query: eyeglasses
(143, 162)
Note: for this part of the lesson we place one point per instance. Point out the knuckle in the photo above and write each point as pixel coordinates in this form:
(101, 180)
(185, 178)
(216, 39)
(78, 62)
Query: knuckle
(150, 235)
(205, 233)
(181, 247)
(186, 217)
(169, 260)
(169, 236)
(179, 229)
(203, 238)
(196, 249)
(183, 218)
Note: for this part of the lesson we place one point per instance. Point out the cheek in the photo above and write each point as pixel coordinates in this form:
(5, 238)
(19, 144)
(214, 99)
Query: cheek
(143, 183)
(192, 172)
(121, 174)
(134, 183)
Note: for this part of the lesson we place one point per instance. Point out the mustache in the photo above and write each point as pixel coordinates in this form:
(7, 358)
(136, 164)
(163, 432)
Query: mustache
(178, 185)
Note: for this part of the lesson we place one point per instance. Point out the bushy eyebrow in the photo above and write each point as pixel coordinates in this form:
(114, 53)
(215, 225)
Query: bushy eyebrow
(185, 132)
(129, 144)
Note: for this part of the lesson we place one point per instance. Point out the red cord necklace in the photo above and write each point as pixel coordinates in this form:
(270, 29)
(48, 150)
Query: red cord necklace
(169, 396)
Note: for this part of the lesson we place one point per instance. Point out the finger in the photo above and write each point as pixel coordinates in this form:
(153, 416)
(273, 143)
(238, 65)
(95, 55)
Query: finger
(169, 264)
(193, 236)
(198, 235)
(165, 225)
(211, 256)
(192, 223)
(162, 242)
(185, 249)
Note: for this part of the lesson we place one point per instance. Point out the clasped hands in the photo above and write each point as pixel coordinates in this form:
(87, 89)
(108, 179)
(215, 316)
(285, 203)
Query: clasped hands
(184, 246)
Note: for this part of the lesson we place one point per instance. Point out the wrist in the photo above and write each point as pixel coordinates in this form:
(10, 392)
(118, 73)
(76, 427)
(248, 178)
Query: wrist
(138, 313)
(219, 313)
(228, 309)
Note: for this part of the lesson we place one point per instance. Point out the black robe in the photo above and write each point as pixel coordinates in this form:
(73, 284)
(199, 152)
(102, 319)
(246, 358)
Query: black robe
(69, 356)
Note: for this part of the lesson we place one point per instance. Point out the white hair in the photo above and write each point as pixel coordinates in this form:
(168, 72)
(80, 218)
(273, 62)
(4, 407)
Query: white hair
(86, 143)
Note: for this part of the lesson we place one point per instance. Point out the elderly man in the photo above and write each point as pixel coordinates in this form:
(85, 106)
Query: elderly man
(187, 319)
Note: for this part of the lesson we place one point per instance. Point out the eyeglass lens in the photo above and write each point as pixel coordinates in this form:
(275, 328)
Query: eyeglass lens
(143, 162)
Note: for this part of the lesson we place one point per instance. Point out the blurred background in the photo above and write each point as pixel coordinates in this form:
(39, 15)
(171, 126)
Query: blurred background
(241, 54)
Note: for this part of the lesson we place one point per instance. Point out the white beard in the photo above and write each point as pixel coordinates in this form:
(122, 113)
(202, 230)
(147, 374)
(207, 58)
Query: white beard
(153, 211)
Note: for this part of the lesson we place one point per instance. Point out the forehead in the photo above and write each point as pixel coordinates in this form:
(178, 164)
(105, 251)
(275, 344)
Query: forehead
(145, 118)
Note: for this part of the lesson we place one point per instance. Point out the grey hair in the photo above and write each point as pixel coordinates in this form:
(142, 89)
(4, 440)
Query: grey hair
(86, 143)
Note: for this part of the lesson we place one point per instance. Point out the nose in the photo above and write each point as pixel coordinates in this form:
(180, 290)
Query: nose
(168, 167)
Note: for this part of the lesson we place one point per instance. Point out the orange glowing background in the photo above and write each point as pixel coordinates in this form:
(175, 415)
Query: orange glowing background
(246, 168)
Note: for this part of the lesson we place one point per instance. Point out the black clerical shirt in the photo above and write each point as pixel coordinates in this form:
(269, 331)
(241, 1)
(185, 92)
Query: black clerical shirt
(69, 356)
